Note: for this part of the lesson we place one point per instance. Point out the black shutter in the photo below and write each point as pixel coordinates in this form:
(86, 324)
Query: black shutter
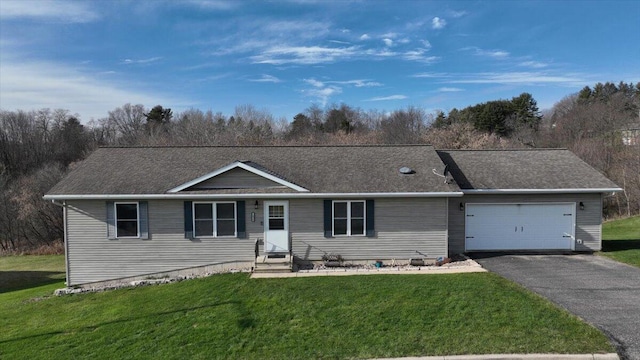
(241, 219)
(144, 219)
(188, 220)
(328, 218)
(111, 220)
(371, 232)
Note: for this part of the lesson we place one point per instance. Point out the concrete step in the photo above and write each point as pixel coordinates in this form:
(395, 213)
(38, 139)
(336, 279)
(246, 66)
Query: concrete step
(273, 264)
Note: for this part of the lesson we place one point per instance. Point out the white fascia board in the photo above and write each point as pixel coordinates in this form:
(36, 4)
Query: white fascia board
(234, 165)
(252, 196)
(539, 191)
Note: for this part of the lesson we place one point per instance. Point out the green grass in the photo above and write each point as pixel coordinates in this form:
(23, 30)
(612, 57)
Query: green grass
(621, 240)
(20, 272)
(232, 316)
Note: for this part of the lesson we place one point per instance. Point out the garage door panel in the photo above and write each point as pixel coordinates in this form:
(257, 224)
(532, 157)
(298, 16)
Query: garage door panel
(519, 226)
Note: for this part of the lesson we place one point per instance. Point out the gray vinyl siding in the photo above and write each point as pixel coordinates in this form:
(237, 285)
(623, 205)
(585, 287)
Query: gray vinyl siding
(405, 228)
(236, 179)
(92, 257)
(588, 221)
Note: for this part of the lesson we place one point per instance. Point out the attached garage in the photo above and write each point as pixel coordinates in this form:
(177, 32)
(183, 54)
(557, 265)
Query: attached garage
(527, 226)
(529, 199)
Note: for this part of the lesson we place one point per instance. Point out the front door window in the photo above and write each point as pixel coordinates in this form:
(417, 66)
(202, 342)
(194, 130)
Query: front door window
(276, 217)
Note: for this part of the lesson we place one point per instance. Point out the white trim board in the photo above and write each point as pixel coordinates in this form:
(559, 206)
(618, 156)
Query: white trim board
(307, 195)
(538, 191)
(238, 164)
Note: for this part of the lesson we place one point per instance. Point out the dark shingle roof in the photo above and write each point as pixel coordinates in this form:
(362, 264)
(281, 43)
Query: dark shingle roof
(320, 169)
(522, 169)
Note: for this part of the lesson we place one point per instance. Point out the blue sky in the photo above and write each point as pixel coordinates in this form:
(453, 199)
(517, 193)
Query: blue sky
(282, 56)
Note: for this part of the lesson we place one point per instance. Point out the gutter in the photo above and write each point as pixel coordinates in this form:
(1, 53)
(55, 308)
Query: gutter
(64, 236)
(539, 191)
(253, 196)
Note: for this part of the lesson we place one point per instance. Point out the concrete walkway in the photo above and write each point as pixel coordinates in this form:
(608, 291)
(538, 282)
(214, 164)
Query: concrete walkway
(603, 292)
(474, 267)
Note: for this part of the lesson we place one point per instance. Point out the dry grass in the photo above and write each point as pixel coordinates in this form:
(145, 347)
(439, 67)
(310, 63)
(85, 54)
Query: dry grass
(55, 248)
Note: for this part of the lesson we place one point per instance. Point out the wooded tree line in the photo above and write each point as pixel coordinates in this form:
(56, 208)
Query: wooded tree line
(38, 147)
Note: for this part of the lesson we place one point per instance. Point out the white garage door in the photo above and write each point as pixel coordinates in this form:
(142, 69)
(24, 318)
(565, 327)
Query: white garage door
(519, 226)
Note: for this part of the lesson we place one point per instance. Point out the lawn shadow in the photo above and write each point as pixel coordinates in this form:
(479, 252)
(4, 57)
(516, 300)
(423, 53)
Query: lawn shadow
(20, 280)
(619, 245)
(244, 320)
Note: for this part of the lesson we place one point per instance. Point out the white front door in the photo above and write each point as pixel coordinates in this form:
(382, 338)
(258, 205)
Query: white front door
(276, 226)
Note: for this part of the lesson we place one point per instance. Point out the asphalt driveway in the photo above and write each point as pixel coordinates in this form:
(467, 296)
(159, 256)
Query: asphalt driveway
(601, 291)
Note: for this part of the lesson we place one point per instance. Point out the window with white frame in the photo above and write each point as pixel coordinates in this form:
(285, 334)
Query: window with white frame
(349, 217)
(213, 219)
(127, 219)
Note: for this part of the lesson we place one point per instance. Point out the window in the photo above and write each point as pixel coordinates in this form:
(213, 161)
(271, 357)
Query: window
(276, 217)
(348, 218)
(127, 220)
(214, 219)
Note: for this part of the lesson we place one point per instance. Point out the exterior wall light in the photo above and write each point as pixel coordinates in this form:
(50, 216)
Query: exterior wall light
(461, 206)
(256, 205)
(581, 205)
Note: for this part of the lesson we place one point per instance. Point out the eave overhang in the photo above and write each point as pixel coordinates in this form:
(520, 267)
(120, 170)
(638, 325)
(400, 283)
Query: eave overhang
(305, 195)
(539, 191)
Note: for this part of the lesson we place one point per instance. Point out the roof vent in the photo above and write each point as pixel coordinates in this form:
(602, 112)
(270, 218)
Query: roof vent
(406, 171)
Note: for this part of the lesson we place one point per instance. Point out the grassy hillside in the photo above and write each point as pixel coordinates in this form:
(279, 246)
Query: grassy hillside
(232, 316)
(621, 240)
(20, 272)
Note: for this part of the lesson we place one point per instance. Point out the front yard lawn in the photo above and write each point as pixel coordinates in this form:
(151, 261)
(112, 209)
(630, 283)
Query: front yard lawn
(232, 316)
(621, 240)
(21, 272)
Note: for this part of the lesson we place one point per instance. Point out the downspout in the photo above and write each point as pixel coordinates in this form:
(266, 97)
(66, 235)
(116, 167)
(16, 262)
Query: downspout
(64, 238)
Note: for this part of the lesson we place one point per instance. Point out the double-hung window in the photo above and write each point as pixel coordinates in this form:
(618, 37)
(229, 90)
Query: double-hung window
(214, 219)
(127, 219)
(349, 218)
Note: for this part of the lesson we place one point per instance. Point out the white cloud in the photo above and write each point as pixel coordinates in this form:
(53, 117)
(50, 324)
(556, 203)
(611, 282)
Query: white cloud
(357, 83)
(384, 53)
(305, 55)
(404, 41)
(438, 23)
(534, 64)
(388, 42)
(314, 82)
(496, 54)
(63, 11)
(323, 94)
(431, 75)
(449, 89)
(295, 28)
(141, 61)
(458, 14)
(390, 35)
(267, 79)
(365, 37)
(426, 44)
(212, 4)
(527, 78)
(387, 98)
(419, 55)
(340, 42)
(36, 85)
